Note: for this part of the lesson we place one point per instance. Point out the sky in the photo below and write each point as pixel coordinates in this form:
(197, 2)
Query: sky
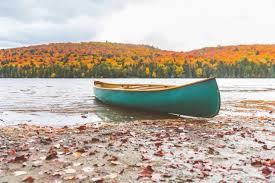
(179, 25)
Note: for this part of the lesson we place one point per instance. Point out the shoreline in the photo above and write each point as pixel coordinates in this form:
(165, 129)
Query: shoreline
(227, 149)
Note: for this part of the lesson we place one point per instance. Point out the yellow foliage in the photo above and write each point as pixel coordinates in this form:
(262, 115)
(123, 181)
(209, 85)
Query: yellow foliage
(147, 71)
(199, 72)
(53, 75)
(179, 71)
(154, 74)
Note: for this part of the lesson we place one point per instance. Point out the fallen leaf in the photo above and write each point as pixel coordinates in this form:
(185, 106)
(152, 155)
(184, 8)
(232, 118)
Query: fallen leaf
(77, 154)
(146, 171)
(113, 158)
(19, 159)
(28, 179)
(158, 144)
(266, 171)
(270, 162)
(52, 154)
(12, 152)
(82, 127)
(159, 153)
(256, 163)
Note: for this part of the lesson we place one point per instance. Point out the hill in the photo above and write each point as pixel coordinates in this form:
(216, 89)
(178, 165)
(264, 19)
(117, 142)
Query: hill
(98, 59)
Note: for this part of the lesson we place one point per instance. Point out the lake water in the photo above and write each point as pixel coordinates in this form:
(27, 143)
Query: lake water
(60, 102)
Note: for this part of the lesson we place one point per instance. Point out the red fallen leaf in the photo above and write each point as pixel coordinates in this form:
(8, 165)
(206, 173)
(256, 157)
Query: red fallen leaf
(82, 127)
(158, 144)
(159, 153)
(146, 171)
(113, 158)
(266, 171)
(256, 163)
(204, 174)
(28, 179)
(52, 154)
(270, 162)
(12, 152)
(220, 145)
(18, 159)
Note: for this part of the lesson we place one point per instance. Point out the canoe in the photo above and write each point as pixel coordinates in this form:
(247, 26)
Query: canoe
(198, 99)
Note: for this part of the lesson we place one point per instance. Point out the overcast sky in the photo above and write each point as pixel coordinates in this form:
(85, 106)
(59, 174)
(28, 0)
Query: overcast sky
(168, 24)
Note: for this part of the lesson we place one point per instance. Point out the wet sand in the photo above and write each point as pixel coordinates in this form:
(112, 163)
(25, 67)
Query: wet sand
(222, 149)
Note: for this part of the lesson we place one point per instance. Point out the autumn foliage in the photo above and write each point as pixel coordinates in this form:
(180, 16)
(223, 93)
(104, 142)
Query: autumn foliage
(97, 59)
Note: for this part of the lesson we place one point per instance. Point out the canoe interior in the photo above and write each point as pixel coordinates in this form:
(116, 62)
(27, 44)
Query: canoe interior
(136, 87)
(141, 87)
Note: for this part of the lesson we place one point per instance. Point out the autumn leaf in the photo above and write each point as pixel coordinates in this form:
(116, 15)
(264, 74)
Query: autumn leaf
(270, 162)
(28, 179)
(52, 154)
(159, 153)
(82, 127)
(266, 171)
(146, 171)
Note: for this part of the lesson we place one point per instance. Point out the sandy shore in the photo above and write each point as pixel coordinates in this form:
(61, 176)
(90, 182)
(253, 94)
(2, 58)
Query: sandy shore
(222, 149)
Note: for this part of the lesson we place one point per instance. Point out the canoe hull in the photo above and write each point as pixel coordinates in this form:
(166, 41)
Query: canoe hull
(199, 100)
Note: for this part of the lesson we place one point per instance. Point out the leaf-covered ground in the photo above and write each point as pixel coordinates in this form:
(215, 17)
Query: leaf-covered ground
(222, 149)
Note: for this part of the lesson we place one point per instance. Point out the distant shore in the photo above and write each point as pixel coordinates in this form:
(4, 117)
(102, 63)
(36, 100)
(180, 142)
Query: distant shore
(176, 150)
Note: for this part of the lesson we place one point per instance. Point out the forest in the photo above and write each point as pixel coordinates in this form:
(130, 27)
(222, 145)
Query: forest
(114, 60)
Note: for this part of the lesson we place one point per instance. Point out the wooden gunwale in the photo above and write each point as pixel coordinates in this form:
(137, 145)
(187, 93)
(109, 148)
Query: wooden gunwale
(150, 87)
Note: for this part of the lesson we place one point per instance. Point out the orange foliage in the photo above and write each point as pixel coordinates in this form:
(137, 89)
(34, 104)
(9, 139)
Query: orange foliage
(90, 53)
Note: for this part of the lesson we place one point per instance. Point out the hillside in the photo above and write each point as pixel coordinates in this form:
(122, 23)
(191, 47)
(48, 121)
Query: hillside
(97, 59)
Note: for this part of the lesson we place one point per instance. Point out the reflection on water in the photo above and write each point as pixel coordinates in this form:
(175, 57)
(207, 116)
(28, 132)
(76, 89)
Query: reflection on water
(71, 101)
(119, 114)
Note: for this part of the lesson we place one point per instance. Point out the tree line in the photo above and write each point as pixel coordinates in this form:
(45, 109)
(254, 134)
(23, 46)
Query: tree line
(104, 69)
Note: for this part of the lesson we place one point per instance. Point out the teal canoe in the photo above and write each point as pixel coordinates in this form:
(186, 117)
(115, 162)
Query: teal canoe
(198, 99)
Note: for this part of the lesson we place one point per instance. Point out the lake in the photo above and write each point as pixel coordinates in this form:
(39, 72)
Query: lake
(59, 102)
